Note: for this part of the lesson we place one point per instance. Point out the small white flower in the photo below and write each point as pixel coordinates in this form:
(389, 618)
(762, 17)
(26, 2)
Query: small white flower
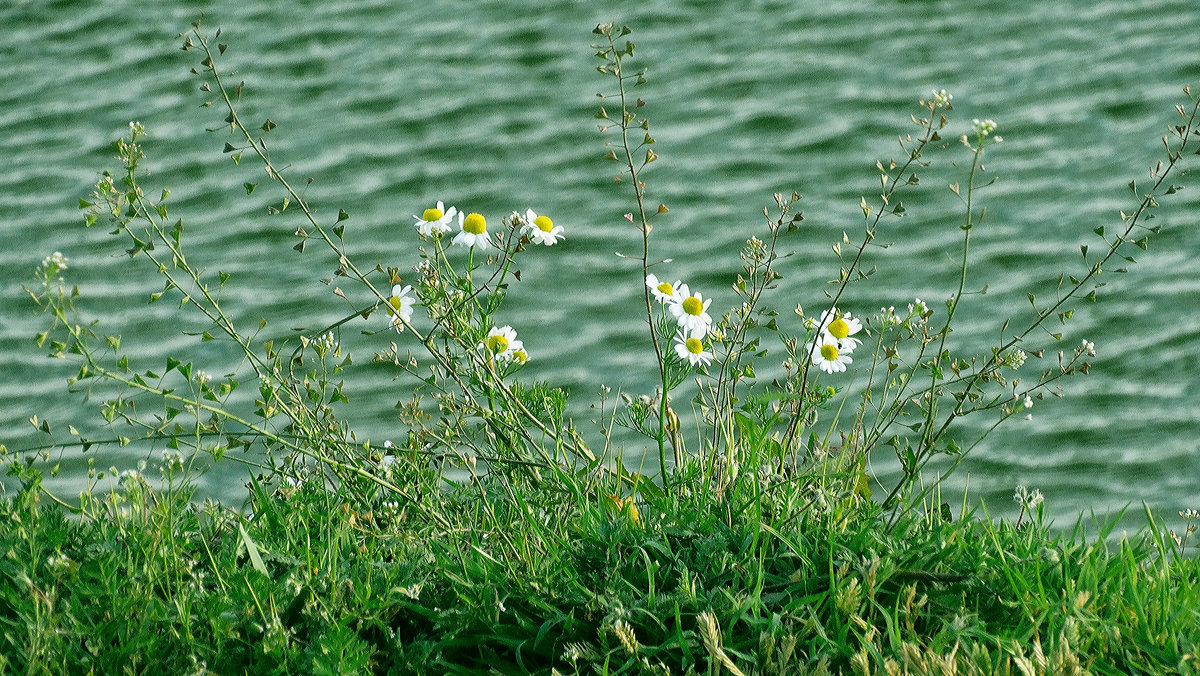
(691, 310)
(540, 229)
(1088, 347)
(203, 377)
(692, 349)
(827, 356)
(941, 99)
(1028, 401)
(502, 344)
(473, 231)
(435, 220)
(400, 307)
(665, 292)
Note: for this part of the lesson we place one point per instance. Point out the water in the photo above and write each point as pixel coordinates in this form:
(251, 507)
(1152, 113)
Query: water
(392, 106)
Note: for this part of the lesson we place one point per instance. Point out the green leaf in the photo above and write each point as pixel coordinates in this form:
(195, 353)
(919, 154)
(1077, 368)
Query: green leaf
(342, 215)
(252, 550)
(250, 187)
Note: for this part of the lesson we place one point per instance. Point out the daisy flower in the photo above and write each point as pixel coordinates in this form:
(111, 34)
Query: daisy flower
(502, 343)
(400, 306)
(435, 220)
(840, 328)
(826, 355)
(540, 229)
(692, 349)
(663, 291)
(473, 231)
(691, 310)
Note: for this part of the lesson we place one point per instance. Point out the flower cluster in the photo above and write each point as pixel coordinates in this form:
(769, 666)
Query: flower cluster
(1087, 346)
(1013, 359)
(55, 262)
(984, 128)
(690, 311)
(472, 227)
(831, 350)
(985, 133)
(1028, 499)
(941, 99)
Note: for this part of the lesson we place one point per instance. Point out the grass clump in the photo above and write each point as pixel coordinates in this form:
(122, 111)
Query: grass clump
(755, 581)
(497, 536)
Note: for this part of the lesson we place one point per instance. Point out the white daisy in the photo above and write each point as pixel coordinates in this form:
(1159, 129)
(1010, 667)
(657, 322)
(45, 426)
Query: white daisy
(435, 220)
(540, 229)
(400, 306)
(473, 231)
(691, 311)
(692, 349)
(665, 292)
(502, 344)
(825, 354)
(841, 327)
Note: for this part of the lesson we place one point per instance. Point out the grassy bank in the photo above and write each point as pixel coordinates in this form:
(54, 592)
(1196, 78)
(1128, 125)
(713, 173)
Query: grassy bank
(503, 534)
(772, 576)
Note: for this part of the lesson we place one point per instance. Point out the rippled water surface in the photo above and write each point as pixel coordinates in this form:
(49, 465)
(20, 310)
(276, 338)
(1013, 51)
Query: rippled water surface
(389, 107)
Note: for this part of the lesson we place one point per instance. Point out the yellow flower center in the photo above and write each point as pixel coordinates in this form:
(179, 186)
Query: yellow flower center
(432, 215)
(693, 306)
(393, 306)
(666, 288)
(520, 357)
(694, 345)
(839, 328)
(829, 352)
(497, 344)
(544, 223)
(474, 224)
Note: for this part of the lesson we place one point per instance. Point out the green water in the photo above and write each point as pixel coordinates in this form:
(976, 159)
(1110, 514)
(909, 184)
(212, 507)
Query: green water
(392, 106)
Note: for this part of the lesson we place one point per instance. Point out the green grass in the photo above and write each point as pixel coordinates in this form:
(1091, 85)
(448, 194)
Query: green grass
(770, 576)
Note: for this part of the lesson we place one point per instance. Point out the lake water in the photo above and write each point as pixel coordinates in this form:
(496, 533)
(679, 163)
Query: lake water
(391, 106)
